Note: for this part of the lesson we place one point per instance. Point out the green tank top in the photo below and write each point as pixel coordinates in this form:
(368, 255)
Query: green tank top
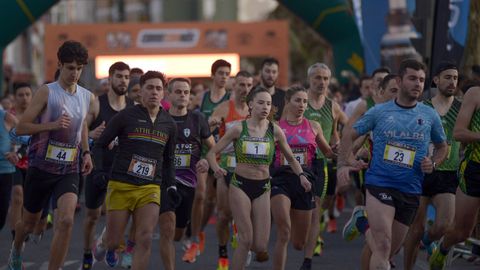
(208, 106)
(324, 117)
(370, 103)
(448, 122)
(472, 151)
(255, 150)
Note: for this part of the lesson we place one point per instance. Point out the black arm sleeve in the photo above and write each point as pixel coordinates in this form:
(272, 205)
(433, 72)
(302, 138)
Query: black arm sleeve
(168, 168)
(111, 131)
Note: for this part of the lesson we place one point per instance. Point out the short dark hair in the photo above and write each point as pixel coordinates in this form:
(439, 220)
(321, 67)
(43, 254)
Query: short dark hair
(362, 79)
(444, 65)
(18, 85)
(381, 70)
(120, 66)
(243, 73)
(72, 51)
(269, 61)
(412, 64)
(386, 80)
(220, 63)
(136, 70)
(152, 75)
(179, 79)
(292, 90)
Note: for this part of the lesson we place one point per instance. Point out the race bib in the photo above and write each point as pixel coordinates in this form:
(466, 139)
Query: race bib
(60, 152)
(182, 161)
(300, 156)
(255, 148)
(231, 161)
(142, 167)
(401, 155)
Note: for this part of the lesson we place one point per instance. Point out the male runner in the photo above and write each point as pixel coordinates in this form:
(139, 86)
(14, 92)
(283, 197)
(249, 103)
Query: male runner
(56, 119)
(268, 79)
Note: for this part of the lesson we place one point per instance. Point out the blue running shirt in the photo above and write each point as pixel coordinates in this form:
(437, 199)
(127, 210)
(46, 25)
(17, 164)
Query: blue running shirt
(400, 142)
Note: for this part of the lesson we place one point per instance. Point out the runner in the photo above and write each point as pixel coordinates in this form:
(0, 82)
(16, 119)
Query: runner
(220, 71)
(22, 93)
(440, 186)
(328, 114)
(291, 205)
(229, 114)
(106, 107)
(401, 132)
(56, 121)
(144, 160)
(192, 132)
(254, 141)
(467, 198)
(268, 79)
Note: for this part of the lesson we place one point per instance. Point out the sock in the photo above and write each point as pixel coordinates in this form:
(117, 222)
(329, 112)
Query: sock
(222, 251)
(130, 246)
(425, 239)
(307, 261)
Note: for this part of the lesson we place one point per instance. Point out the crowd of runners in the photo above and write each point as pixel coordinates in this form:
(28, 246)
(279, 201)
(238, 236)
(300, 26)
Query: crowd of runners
(156, 151)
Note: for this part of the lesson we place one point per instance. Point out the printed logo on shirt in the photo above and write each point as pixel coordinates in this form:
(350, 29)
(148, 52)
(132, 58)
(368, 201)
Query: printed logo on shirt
(186, 132)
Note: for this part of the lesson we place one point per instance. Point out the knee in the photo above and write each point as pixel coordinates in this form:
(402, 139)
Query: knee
(65, 223)
(167, 231)
(199, 196)
(283, 233)
(144, 239)
(382, 246)
(298, 244)
(92, 217)
(442, 228)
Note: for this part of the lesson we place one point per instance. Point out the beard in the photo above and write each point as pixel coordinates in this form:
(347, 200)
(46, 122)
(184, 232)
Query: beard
(267, 83)
(119, 91)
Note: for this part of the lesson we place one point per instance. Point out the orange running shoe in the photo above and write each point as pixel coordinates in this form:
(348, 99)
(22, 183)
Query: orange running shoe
(201, 239)
(332, 225)
(191, 254)
(222, 264)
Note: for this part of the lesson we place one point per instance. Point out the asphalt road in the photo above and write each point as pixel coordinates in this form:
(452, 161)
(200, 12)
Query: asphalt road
(337, 254)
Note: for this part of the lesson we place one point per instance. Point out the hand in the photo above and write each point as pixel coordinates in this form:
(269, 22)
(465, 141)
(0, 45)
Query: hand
(173, 196)
(87, 165)
(62, 122)
(305, 183)
(220, 173)
(213, 122)
(202, 166)
(95, 133)
(427, 165)
(343, 178)
(12, 157)
(335, 147)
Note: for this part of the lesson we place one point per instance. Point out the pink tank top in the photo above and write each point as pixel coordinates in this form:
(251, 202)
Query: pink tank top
(301, 140)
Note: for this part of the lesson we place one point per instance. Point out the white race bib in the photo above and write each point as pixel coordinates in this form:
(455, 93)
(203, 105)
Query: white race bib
(142, 167)
(182, 160)
(255, 148)
(301, 157)
(400, 155)
(61, 153)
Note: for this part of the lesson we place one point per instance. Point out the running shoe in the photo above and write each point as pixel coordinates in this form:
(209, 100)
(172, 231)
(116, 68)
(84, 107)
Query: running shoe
(262, 256)
(111, 258)
(191, 254)
(438, 260)
(351, 230)
(318, 247)
(332, 225)
(201, 244)
(306, 266)
(87, 262)
(222, 264)
(99, 250)
(430, 248)
(186, 244)
(126, 260)
(15, 261)
(36, 238)
(249, 258)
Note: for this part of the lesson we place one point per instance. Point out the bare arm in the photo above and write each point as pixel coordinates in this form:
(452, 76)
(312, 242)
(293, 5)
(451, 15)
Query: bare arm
(39, 102)
(321, 141)
(218, 114)
(471, 103)
(229, 137)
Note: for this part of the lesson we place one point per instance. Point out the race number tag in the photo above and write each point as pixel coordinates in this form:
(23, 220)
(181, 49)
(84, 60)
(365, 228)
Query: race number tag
(231, 161)
(142, 167)
(401, 155)
(255, 148)
(60, 152)
(182, 161)
(300, 156)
